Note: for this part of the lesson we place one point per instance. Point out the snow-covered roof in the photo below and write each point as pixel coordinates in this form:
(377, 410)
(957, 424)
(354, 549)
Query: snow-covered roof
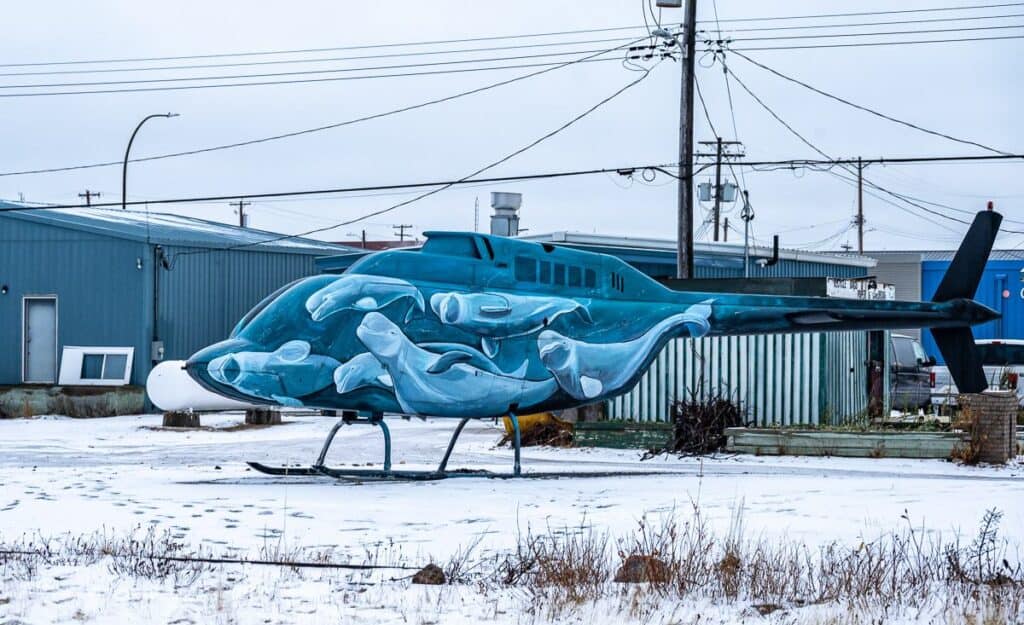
(167, 229)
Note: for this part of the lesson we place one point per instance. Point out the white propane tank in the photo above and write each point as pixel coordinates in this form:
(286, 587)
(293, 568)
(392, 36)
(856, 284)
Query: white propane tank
(171, 388)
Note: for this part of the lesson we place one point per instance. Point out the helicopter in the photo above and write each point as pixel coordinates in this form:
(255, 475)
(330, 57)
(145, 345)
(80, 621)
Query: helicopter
(476, 326)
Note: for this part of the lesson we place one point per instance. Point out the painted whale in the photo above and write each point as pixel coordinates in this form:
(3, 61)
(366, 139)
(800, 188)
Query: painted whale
(588, 370)
(428, 383)
(494, 316)
(362, 293)
(281, 376)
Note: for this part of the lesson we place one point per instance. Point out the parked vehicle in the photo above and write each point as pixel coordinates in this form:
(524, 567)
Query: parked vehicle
(1003, 361)
(910, 374)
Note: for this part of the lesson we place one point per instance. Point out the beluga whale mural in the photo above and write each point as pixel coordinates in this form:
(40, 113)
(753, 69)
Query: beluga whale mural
(474, 326)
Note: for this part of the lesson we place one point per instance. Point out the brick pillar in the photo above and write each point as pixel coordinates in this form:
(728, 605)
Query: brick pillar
(995, 416)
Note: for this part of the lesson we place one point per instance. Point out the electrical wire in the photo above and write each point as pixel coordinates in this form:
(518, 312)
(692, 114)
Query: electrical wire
(163, 68)
(866, 109)
(962, 18)
(871, 44)
(776, 18)
(375, 46)
(463, 179)
(306, 131)
(927, 31)
(294, 81)
(179, 79)
(865, 180)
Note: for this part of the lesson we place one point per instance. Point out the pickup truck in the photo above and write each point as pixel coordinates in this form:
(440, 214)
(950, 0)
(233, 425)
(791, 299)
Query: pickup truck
(1003, 361)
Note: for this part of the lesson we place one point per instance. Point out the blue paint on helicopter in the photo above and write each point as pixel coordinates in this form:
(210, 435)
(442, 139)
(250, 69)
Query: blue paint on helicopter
(429, 383)
(495, 316)
(573, 326)
(282, 375)
(587, 371)
(361, 294)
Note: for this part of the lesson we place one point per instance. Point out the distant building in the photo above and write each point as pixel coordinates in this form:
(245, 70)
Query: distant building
(128, 287)
(376, 246)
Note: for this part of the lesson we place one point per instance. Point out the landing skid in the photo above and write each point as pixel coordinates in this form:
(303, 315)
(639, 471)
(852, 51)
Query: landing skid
(426, 476)
(442, 472)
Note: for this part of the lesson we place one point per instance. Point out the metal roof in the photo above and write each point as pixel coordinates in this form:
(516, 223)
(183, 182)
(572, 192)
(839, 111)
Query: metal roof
(168, 229)
(1010, 254)
(703, 247)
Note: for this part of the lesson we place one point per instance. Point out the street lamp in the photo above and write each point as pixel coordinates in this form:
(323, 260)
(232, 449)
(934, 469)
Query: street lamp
(124, 169)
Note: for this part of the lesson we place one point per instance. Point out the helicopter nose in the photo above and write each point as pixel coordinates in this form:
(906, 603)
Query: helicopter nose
(215, 365)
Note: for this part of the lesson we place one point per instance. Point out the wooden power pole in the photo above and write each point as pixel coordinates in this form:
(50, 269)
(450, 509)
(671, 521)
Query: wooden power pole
(684, 231)
(241, 211)
(401, 230)
(89, 195)
(860, 206)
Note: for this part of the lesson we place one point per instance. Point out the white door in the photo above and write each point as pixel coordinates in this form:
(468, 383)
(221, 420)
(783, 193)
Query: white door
(40, 349)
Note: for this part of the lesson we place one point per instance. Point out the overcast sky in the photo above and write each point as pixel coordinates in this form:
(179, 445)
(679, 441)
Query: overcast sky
(970, 90)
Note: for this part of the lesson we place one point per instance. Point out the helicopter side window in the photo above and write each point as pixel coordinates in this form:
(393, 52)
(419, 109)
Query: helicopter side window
(526, 269)
(545, 272)
(590, 279)
(559, 274)
(575, 276)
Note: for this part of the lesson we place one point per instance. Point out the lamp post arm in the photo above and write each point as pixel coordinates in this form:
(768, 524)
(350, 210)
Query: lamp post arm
(127, 151)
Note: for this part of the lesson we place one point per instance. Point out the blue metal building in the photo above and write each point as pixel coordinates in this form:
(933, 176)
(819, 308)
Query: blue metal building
(1001, 288)
(163, 285)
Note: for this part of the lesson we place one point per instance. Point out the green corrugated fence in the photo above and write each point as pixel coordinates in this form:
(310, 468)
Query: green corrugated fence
(784, 379)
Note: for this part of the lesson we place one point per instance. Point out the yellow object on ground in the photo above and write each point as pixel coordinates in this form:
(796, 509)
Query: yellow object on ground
(529, 421)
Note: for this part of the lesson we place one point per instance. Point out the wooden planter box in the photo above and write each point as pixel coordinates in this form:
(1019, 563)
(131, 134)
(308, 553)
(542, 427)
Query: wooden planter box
(779, 442)
(622, 434)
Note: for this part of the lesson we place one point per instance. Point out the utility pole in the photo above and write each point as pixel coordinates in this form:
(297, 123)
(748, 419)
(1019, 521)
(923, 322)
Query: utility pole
(747, 215)
(720, 152)
(242, 221)
(401, 230)
(725, 231)
(476, 214)
(684, 225)
(88, 195)
(860, 206)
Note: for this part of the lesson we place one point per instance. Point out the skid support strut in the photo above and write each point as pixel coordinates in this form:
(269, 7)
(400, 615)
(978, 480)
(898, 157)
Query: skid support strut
(351, 418)
(346, 419)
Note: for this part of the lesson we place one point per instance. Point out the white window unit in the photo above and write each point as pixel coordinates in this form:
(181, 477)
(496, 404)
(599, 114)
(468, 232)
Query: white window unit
(96, 366)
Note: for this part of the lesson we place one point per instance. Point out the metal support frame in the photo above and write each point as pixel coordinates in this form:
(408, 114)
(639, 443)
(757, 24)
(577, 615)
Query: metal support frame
(348, 418)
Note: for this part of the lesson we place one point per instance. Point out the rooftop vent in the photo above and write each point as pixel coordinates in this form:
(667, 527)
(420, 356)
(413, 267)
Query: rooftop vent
(505, 220)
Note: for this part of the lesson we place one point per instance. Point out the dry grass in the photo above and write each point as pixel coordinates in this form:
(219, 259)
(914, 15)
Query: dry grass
(561, 570)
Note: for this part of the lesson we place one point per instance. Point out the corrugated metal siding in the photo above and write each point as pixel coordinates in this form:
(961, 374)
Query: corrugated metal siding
(205, 294)
(779, 379)
(99, 288)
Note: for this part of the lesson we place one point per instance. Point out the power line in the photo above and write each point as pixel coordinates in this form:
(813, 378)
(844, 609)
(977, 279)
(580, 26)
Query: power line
(869, 44)
(466, 178)
(325, 49)
(859, 161)
(866, 109)
(178, 79)
(927, 31)
(860, 24)
(621, 170)
(316, 129)
(162, 68)
(290, 81)
(776, 18)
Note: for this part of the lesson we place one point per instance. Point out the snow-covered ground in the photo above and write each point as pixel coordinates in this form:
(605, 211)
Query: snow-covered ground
(60, 476)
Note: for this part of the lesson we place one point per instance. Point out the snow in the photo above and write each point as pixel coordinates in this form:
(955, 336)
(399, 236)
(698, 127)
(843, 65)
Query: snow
(61, 475)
